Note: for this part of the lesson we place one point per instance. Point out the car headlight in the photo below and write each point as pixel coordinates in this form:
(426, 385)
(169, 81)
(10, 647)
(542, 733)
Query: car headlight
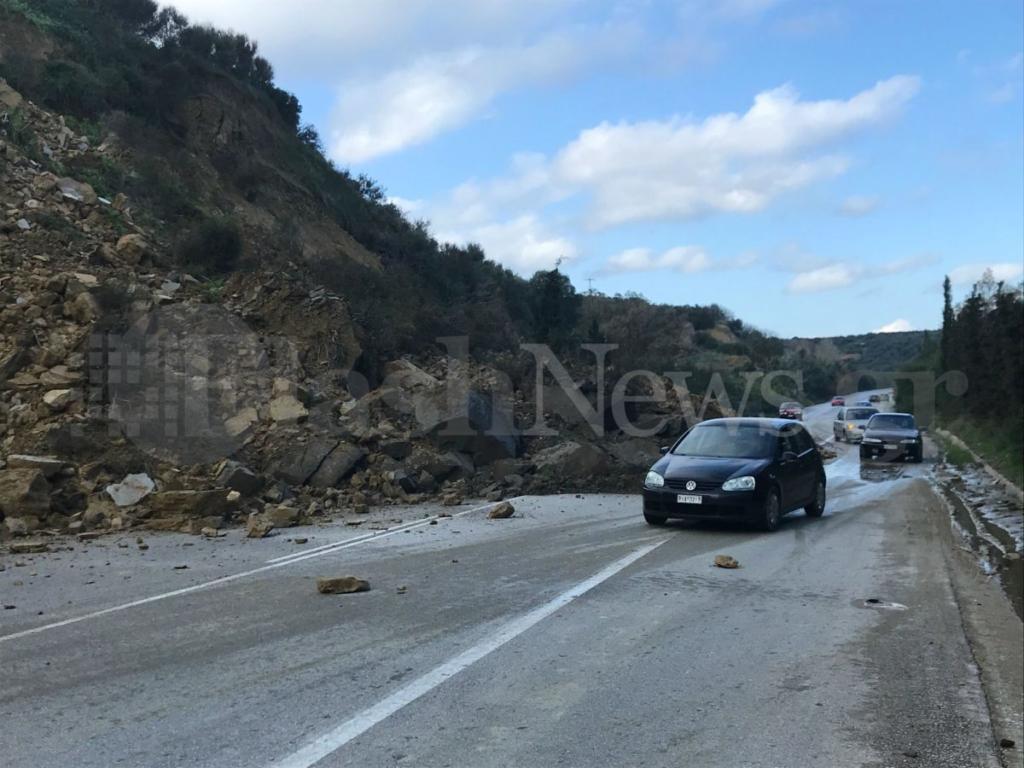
(654, 480)
(851, 427)
(872, 440)
(745, 483)
(909, 441)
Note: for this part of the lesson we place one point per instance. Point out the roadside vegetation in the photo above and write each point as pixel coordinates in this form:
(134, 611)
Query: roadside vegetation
(982, 339)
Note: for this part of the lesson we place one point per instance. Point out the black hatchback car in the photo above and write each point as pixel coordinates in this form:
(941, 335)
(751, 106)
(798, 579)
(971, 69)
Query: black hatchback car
(891, 437)
(743, 469)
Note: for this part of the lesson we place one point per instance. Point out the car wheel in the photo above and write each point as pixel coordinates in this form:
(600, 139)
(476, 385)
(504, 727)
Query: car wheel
(817, 507)
(654, 519)
(839, 437)
(771, 512)
(918, 455)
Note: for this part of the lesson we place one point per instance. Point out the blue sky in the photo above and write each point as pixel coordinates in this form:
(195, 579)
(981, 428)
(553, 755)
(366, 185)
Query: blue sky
(814, 167)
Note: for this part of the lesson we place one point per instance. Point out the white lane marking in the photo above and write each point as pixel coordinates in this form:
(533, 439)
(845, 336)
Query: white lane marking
(344, 543)
(332, 741)
(224, 579)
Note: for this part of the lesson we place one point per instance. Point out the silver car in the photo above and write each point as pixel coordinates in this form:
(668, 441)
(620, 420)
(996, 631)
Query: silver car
(850, 423)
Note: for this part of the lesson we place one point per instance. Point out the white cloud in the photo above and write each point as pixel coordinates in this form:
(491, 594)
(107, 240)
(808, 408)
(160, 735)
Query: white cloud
(405, 205)
(909, 264)
(968, 274)
(679, 168)
(524, 244)
(434, 94)
(321, 36)
(858, 205)
(822, 279)
(667, 169)
(814, 275)
(896, 326)
(687, 258)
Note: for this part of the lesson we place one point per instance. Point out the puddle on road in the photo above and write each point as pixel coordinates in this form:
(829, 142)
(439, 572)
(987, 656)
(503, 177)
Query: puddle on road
(880, 473)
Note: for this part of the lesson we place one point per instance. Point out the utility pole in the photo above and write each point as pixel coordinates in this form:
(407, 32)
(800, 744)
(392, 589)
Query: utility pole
(590, 286)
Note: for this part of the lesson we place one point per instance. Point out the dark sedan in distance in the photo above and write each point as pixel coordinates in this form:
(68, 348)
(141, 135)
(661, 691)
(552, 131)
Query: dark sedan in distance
(742, 469)
(890, 437)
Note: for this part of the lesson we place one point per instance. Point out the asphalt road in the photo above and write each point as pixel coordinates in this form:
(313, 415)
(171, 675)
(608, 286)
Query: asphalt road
(570, 635)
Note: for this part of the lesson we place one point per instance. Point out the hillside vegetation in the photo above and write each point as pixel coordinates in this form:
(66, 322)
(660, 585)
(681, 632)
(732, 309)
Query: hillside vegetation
(219, 167)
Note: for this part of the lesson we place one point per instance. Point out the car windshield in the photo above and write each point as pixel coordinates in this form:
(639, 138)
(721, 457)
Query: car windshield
(860, 414)
(728, 441)
(891, 421)
(787, 406)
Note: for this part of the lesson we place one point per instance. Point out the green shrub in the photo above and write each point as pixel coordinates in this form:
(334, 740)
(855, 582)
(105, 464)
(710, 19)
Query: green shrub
(213, 247)
(20, 133)
(70, 87)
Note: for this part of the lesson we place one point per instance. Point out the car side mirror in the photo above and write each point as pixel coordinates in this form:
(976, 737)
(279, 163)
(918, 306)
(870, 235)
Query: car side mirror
(663, 450)
(788, 456)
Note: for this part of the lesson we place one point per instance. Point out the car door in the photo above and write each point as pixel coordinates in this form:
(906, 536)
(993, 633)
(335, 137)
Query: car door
(788, 462)
(809, 459)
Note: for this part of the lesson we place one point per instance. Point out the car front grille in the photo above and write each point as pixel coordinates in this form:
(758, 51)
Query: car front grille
(679, 484)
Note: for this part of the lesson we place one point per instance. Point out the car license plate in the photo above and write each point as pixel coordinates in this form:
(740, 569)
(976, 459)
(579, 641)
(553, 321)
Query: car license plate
(891, 446)
(685, 498)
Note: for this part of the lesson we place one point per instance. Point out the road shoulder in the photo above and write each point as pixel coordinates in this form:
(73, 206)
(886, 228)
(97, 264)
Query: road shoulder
(996, 638)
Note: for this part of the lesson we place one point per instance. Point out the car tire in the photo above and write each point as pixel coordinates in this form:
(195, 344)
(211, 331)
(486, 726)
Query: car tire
(918, 456)
(839, 437)
(655, 519)
(771, 511)
(817, 507)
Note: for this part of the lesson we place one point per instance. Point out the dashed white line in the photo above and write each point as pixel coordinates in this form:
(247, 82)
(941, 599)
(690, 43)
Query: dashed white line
(354, 727)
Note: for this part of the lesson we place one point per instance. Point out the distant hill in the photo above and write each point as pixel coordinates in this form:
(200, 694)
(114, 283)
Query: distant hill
(865, 351)
(827, 362)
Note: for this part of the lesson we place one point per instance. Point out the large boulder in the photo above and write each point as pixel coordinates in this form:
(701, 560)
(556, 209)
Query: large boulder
(287, 409)
(467, 421)
(321, 461)
(83, 309)
(78, 191)
(448, 466)
(572, 459)
(185, 504)
(60, 399)
(241, 422)
(635, 452)
(337, 465)
(24, 492)
(239, 478)
(406, 375)
(132, 249)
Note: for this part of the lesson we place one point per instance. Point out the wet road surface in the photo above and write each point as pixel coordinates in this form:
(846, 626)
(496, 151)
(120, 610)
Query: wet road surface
(571, 635)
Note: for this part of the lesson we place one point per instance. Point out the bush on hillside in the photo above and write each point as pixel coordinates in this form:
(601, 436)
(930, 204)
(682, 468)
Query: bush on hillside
(212, 247)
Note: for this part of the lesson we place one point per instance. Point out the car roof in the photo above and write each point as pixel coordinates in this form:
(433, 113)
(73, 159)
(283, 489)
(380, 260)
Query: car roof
(765, 423)
(893, 413)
